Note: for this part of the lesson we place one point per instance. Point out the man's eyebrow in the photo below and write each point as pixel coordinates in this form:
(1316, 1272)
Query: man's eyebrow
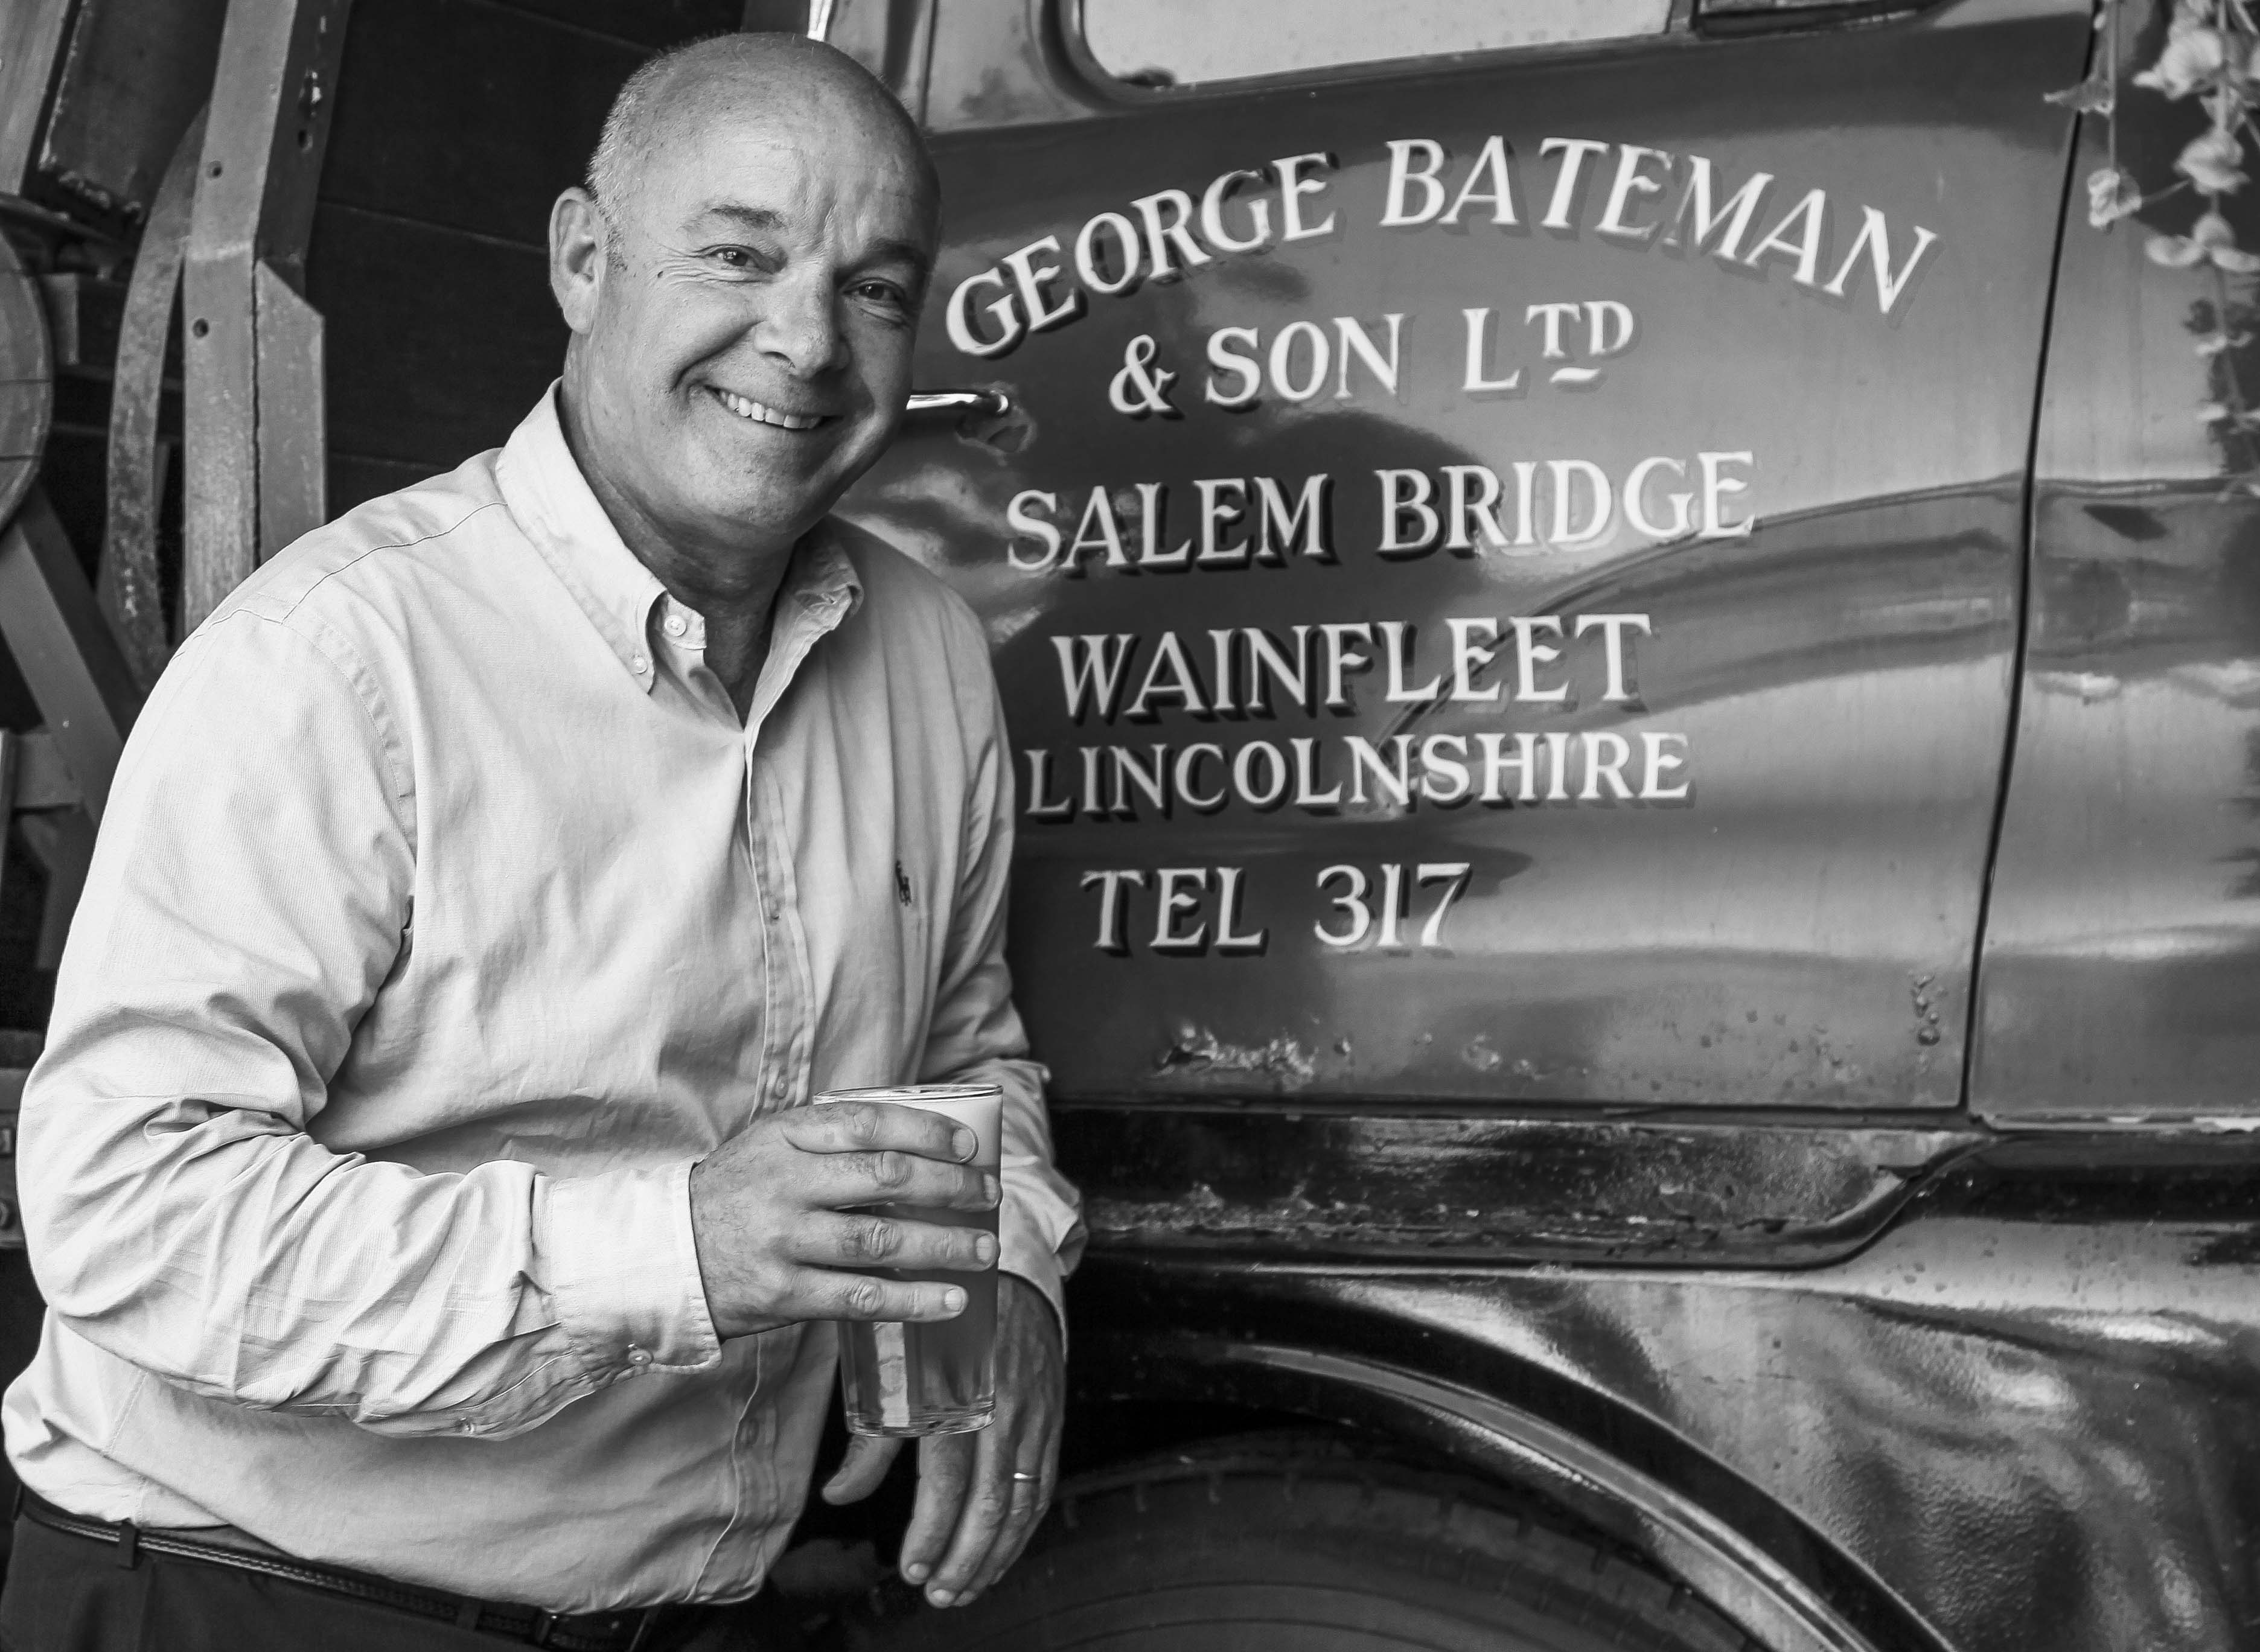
(752, 218)
(911, 253)
(890, 249)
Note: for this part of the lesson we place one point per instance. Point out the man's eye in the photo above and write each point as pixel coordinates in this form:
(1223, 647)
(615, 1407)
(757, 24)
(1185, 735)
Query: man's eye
(882, 293)
(735, 257)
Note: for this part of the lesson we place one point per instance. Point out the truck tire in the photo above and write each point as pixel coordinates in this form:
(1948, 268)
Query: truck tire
(1259, 1550)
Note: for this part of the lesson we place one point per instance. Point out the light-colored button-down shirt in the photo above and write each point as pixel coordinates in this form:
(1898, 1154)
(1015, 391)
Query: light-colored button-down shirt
(443, 916)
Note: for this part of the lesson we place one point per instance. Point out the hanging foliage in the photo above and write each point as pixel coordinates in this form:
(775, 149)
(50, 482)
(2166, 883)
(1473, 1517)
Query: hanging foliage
(2211, 55)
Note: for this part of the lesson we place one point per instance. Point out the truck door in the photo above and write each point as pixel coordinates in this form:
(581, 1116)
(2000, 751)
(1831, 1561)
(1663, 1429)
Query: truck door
(1505, 564)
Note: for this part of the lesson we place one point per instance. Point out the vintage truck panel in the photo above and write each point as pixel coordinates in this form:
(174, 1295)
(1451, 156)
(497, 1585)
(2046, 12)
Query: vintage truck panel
(1677, 618)
(1804, 1138)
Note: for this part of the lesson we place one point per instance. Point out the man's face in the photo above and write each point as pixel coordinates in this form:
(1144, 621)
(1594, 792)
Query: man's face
(745, 350)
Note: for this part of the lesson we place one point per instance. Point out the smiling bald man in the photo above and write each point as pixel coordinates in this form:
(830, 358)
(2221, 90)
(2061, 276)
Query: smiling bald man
(438, 1245)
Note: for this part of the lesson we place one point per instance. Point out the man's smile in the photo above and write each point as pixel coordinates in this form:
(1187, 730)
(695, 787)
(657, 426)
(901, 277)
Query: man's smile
(760, 412)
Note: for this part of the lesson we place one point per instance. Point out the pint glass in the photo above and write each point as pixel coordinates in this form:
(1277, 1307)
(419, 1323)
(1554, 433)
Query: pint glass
(938, 1377)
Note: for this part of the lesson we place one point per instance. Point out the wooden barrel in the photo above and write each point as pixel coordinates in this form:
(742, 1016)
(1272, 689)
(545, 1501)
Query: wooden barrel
(27, 381)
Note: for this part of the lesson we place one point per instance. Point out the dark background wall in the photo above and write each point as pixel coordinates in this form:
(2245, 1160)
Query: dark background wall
(458, 121)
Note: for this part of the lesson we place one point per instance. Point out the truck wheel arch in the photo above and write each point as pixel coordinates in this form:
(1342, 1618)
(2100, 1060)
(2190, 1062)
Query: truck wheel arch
(1788, 1587)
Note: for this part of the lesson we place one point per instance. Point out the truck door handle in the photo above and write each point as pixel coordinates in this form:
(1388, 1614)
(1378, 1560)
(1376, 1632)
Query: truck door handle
(995, 404)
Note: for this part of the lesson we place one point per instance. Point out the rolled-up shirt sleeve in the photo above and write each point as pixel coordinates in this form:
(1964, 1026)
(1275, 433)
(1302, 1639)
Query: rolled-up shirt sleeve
(251, 890)
(976, 1036)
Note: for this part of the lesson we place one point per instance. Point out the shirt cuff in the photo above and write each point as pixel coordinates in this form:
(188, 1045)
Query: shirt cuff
(622, 1267)
(1028, 1249)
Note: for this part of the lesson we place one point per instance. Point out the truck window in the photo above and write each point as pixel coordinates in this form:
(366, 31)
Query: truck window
(1196, 43)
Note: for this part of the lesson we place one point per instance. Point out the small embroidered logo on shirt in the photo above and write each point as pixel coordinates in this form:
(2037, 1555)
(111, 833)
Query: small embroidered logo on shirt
(902, 885)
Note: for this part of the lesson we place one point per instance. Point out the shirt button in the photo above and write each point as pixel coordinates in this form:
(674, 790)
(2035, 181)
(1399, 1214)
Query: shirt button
(638, 1356)
(640, 664)
(675, 626)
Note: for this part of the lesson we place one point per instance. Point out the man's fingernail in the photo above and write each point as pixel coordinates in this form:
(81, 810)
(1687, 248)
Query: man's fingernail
(985, 1249)
(963, 1142)
(940, 1597)
(917, 1571)
(953, 1299)
(990, 1188)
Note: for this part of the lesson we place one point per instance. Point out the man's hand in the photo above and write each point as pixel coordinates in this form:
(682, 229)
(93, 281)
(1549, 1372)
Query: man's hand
(772, 1211)
(973, 1517)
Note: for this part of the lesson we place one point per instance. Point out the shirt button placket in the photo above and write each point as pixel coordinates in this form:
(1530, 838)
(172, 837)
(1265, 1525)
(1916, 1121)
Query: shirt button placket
(769, 1091)
(785, 1078)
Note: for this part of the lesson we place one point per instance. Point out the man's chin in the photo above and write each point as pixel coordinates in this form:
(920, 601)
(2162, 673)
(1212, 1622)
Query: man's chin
(770, 514)
(755, 489)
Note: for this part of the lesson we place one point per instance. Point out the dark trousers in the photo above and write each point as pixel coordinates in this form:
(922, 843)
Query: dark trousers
(69, 1594)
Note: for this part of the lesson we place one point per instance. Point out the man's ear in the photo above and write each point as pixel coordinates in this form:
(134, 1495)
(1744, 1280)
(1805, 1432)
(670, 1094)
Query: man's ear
(577, 235)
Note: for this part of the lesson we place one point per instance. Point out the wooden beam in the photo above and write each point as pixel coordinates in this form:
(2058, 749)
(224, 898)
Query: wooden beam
(11, 756)
(62, 646)
(64, 843)
(293, 443)
(130, 588)
(31, 33)
(38, 796)
(135, 72)
(267, 127)
(42, 780)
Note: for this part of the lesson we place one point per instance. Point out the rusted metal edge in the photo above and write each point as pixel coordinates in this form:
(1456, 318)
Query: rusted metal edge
(1491, 1189)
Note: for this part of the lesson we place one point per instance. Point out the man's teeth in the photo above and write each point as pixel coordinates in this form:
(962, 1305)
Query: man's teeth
(745, 407)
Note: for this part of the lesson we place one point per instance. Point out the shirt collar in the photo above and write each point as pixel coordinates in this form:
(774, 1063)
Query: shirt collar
(550, 499)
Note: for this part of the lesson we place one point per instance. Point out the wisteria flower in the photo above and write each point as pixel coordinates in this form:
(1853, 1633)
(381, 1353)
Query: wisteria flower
(2192, 56)
(2111, 196)
(2211, 241)
(2092, 97)
(2214, 161)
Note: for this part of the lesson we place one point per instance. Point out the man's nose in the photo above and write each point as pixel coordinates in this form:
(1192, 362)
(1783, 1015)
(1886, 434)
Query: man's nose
(800, 326)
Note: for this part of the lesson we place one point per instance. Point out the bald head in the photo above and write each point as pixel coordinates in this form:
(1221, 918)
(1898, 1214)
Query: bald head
(686, 90)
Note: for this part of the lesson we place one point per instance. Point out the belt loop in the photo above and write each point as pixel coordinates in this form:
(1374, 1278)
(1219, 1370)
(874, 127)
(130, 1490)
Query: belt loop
(129, 1545)
(649, 1616)
(15, 1511)
(544, 1620)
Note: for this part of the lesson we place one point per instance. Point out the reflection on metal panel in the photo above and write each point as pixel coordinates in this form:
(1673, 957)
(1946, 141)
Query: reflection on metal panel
(1503, 580)
(2122, 962)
